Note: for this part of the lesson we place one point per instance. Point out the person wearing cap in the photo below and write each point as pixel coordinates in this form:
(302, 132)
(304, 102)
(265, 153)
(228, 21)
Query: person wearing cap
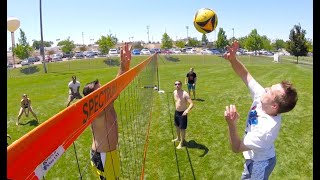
(74, 87)
(25, 107)
(104, 153)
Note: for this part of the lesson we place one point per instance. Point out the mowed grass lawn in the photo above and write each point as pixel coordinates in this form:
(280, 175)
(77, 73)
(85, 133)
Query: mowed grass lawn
(208, 154)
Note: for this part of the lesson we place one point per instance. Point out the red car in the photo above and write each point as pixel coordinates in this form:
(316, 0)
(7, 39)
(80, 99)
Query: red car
(166, 51)
(47, 58)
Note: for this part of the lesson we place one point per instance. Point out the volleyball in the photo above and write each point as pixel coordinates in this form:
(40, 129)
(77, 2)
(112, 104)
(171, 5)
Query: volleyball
(205, 20)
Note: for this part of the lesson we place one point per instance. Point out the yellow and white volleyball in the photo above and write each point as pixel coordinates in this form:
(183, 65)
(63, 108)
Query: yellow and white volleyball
(205, 20)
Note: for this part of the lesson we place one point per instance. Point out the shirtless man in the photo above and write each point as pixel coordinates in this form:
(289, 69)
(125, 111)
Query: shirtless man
(104, 154)
(25, 103)
(181, 98)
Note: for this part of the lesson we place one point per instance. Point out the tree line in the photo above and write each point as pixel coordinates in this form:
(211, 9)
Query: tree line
(297, 45)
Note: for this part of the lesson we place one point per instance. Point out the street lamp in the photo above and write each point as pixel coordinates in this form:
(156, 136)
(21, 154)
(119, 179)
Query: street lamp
(12, 25)
(42, 46)
(232, 34)
(187, 31)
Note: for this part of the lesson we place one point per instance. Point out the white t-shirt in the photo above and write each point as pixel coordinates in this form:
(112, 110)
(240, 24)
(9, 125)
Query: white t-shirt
(74, 86)
(261, 129)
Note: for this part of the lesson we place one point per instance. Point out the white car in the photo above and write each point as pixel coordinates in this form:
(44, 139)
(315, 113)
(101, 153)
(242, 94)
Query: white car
(113, 52)
(176, 51)
(145, 52)
(206, 51)
(191, 51)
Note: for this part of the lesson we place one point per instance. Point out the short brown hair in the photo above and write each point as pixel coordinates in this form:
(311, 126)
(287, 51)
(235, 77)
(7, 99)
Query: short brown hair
(289, 99)
(89, 88)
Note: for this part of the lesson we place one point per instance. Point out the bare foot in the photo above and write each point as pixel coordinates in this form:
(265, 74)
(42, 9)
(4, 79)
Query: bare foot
(176, 140)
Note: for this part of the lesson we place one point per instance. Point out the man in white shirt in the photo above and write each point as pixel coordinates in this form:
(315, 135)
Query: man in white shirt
(263, 120)
(74, 87)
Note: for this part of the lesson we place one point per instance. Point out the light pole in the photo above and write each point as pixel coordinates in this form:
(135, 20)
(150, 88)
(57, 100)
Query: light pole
(187, 32)
(42, 47)
(232, 34)
(91, 43)
(148, 33)
(12, 25)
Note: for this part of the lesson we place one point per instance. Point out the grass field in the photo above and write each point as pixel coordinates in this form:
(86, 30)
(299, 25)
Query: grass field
(208, 154)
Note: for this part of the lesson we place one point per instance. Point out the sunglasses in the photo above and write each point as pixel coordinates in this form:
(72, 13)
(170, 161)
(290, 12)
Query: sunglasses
(177, 84)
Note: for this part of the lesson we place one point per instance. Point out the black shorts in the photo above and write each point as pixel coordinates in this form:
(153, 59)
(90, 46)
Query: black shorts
(179, 120)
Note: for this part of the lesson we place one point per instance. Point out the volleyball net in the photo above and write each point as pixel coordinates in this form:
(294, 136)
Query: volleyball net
(35, 153)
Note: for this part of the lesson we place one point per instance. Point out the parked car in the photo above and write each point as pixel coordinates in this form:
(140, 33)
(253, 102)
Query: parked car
(32, 59)
(9, 65)
(191, 51)
(90, 55)
(206, 51)
(176, 51)
(145, 51)
(47, 58)
(67, 55)
(78, 55)
(135, 52)
(155, 50)
(113, 52)
(166, 51)
(57, 57)
(36, 58)
(216, 52)
(27, 62)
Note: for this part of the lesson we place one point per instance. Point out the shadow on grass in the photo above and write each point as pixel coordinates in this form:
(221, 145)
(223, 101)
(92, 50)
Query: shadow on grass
(172, 59)
(30, 70)
(195, 145)
(197, 99)
(111, 62)
(31, 123)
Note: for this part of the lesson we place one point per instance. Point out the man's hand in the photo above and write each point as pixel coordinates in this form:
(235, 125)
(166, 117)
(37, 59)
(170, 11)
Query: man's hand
(125, 57)
(231, 115)
(231, 51)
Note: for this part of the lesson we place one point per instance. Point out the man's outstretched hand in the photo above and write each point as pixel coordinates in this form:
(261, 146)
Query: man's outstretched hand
(125, 57)
(231, 51)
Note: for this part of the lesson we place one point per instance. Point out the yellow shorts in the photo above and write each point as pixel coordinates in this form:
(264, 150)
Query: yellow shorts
(106, 164)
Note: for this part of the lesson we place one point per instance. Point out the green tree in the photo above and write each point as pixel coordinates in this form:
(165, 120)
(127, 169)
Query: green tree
(106, 42)
(254, 41)
(137, 45)
(242, 41)
(83, 48)
(278, 44)
(37, 44)
(310, 45)
(180, 44)
(67, 45)
(297, 44)
(266, 43)
(22, 49)
(50, 52)
(193, 42)
(166, 41)
(222, 41)
(204, 39)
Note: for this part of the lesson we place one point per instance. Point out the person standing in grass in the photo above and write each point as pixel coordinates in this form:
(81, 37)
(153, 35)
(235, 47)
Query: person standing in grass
(74, 87)
(263, 120)
(25, 107)
(190, 80)
(182, 99)
(104, 152)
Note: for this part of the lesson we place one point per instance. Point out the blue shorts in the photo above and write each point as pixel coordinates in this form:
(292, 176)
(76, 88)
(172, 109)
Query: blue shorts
(258, 169)
(180, 121)
(190, 86)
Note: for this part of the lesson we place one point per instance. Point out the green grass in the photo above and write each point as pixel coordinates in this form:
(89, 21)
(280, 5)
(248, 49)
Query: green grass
(209, 155)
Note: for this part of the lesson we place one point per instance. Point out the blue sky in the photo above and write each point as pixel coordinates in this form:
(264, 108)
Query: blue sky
(130, 18)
